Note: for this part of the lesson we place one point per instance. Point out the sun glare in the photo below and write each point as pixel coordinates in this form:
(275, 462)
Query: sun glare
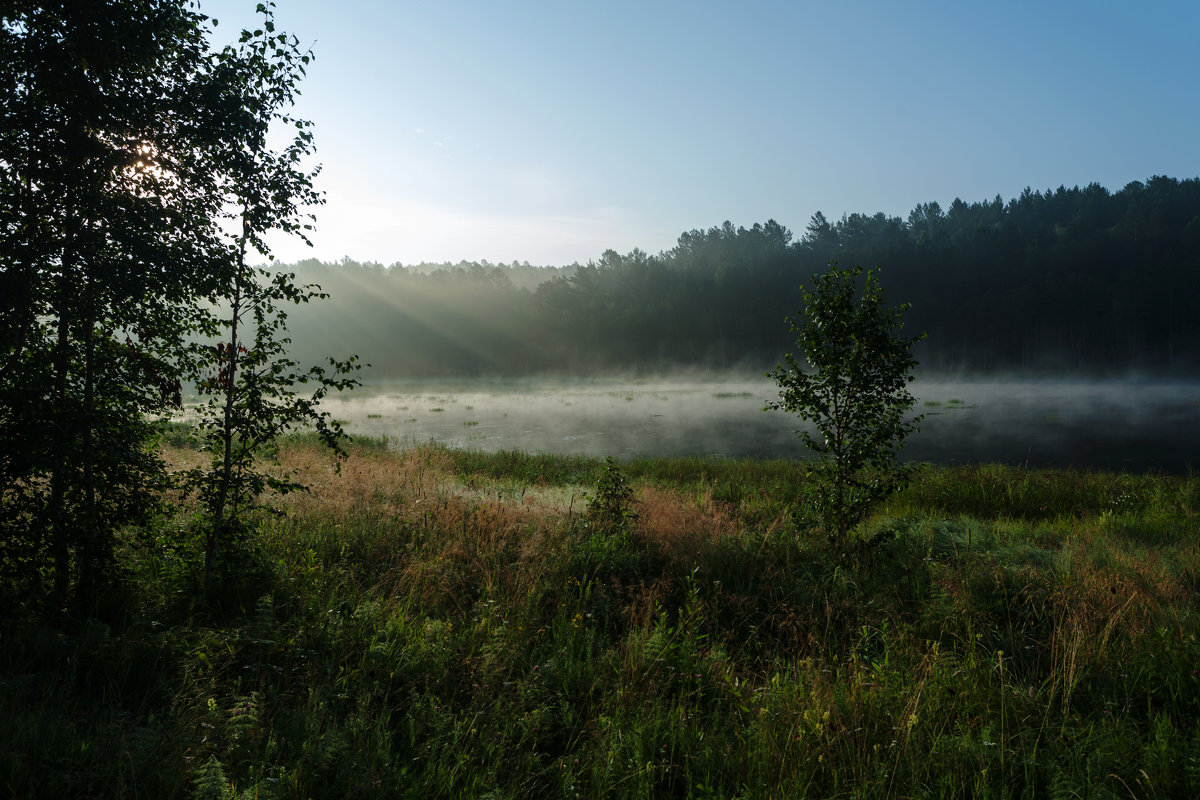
(144, 171)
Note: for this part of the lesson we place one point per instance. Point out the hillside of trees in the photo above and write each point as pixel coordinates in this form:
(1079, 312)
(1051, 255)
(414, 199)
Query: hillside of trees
(1081, 280)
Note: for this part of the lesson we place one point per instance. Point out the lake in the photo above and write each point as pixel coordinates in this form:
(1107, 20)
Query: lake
(1131, 425)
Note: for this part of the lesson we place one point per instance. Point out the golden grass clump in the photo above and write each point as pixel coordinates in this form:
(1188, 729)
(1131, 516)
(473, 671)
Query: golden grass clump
(388, 483)
(680, 527)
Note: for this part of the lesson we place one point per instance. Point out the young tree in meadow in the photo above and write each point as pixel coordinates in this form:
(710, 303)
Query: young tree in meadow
(853, 388)
(246, 373)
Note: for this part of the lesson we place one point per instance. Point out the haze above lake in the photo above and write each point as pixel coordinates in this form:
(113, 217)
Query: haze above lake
(1107, 424)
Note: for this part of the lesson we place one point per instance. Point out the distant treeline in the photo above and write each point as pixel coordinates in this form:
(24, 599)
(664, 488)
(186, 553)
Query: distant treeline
(1082, 280)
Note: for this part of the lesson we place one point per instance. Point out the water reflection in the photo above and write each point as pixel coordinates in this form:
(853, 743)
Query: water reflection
(1107, 424)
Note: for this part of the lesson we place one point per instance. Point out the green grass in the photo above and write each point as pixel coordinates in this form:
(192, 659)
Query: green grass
(178, 434)
(405, 633)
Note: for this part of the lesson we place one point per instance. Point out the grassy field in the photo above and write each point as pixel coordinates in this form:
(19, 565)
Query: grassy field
(434, 623)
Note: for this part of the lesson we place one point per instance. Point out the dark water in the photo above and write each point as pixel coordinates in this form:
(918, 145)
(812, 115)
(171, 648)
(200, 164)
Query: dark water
(1130, 425)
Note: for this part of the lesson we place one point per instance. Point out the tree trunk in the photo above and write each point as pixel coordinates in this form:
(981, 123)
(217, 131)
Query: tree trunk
(218, 529)
(60, 443)
(91, 556)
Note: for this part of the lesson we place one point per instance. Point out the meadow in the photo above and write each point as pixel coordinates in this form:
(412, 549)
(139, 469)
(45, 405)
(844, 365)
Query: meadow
(430, 622)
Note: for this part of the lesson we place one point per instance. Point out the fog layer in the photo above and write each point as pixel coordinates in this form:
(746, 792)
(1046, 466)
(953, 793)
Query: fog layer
(1120, 425)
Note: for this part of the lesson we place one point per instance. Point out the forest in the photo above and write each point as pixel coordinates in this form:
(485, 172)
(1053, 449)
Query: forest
(1079, 280)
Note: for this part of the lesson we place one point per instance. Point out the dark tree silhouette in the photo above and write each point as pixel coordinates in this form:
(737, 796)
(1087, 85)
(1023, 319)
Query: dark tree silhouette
(122, 138)
(105, 236)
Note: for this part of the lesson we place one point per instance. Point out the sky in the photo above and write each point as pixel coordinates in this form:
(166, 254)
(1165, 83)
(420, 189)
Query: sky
(548, 132)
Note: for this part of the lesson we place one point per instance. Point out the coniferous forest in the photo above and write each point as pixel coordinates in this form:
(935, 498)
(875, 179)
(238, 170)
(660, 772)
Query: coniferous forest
(1079, 280)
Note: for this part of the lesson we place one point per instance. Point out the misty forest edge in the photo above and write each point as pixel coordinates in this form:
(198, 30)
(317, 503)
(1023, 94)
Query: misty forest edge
(1078, 281)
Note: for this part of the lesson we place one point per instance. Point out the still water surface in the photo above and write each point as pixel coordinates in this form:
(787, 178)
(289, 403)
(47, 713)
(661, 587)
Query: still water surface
(1132, 425)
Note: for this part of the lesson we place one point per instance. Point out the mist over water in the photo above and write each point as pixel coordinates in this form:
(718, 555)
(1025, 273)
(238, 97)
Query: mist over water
(1108, 424)
(1114, 425)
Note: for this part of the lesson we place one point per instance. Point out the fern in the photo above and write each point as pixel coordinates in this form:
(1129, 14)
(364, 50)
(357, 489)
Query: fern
(210, 782)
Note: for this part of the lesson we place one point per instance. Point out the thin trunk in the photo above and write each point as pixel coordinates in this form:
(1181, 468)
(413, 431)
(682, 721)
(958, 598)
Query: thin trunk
(218, 528)
(91, 551)
(25, 306)
(60, 442)
(22, 302)
(839, 481)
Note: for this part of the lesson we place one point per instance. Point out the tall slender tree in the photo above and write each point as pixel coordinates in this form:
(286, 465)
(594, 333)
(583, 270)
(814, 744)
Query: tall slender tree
(247, 375)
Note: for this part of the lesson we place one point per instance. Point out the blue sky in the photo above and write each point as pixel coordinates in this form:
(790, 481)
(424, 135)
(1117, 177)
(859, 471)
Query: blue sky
(549, 131)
